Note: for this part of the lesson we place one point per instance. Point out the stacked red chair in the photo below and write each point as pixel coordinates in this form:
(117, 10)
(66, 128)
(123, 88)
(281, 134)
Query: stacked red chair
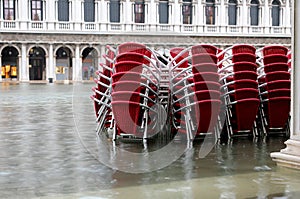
(135, 82)
(240, 90)
(195, 91)
(275, 84)
(101, 96)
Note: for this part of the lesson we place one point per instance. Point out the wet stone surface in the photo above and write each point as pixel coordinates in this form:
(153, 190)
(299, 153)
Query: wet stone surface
(43, 154)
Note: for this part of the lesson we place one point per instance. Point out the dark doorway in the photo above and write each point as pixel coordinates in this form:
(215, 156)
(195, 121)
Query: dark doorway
(37, 64)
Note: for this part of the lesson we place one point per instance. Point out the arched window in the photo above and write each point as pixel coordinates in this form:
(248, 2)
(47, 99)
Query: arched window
(9, 9)
(232, 8)
(37, 10)
(254, 13)
(139, 11)
(187, 12)
(275, 13)
(210, 12)
(114, 11)
(163, 11)
(63, 10)
(89, 11)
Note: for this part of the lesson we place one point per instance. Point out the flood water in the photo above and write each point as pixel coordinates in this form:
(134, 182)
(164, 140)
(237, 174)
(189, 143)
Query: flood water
(49, 149)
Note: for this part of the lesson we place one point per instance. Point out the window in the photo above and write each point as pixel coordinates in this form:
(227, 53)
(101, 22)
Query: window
(89, 11)
(9, 9)
(275, 13)
(187, 12)
(232, 8)
(63, 10)
(163, 11)
(114, 11)
(210, 12)
(139, 12)
(36, 10)
(254, 11)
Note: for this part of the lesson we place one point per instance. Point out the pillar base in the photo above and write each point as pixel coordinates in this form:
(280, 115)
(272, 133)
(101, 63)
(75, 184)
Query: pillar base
(290, 156)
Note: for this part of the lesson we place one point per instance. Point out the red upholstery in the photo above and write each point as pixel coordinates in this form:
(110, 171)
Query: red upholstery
(207, 85)
(128, 66)
(245, 93)
(204, 48)
(268, 50)
(276, 67)
(245, 113)
(126, 96)
(279, 93)
(206, 76)
(278, 84)
(127, 115)
(277, 75)
(206, 114)
(132, 56)
(204, 58)
(207, 95)
(244, 66)
(205, 67)
(243, 83)
(278, 111)
(133, 86)
(126, 76)
(244, 57)
(243, 48)
(275, 58)
(134, 47)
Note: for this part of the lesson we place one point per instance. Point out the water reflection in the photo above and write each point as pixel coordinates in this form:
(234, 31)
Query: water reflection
(41, 155)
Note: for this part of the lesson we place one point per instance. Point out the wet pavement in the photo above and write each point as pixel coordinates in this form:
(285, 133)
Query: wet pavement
(48, 149)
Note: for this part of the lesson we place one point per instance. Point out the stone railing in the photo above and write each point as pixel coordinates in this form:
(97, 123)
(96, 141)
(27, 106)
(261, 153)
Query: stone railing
(132, 28)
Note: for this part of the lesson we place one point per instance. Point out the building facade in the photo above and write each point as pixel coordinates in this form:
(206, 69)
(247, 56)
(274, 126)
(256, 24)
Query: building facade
(65, 39)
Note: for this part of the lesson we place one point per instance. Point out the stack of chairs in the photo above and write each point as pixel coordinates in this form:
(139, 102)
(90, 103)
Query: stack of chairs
(195, 91)
(134, 91)
(239, 90)
(101, 95)
(275, 89)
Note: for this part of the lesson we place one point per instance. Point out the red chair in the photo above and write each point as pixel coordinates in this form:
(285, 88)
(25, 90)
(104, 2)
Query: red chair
(283, 92)
(244, 93)
(134, 47)
(278, 112)
(275, 58)
(126, 76)
(276, 67)
(205, 113)
(132, 56)
(204, 58)
(243, 83)
(278, 84)
(243, 57)
(207, 95)
(245, 111)
(277, 75)
(268, 50)
(206, 76)
(205, 67)
(128, 66)
(207, 85)
(175, 51)
(240, 75)
(127, 114)
(204, 48)
(243, 48)
(244, 66)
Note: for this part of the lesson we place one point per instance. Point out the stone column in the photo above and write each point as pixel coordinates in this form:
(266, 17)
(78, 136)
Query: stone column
(177, 16)
(24, 64)
(290, 156)
(245, 16)
(19, 67)
(23, 14)
(222, 16)
(77, 70)
(51, 67)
